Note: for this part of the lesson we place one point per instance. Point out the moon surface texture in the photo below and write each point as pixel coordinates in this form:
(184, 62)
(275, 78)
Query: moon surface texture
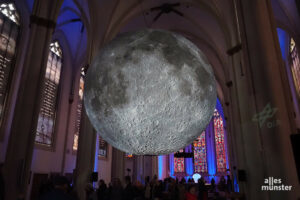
(150, 92)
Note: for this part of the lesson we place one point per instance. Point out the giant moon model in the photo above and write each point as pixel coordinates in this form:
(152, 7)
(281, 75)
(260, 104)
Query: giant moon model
(150, 92)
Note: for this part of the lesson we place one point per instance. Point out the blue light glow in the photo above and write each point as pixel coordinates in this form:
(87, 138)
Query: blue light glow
(160, 167)
(210, 147)
(171, 165)
(196, 177)
(283, 41)
(189, 164)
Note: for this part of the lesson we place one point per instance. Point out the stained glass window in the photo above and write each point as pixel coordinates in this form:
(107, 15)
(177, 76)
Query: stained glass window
(220, 142)
(179, 163)
(102, 151)
(200, 162)
(47, 115)
(295, 65)
(78, 110)
(9, 30)
(127, 155)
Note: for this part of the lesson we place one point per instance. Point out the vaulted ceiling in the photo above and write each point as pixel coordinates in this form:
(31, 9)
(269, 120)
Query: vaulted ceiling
(210, 24)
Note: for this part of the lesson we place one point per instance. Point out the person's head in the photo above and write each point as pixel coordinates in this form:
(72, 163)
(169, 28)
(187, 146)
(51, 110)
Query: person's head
(228, 177)
(192, 190)
(101, 182)
(213, 180)
(182, 181)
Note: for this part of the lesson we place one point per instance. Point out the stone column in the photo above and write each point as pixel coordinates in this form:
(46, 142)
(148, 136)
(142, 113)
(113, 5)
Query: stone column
(148, 167)
(23, 129)
(118, 164)
(154, 166)
(264, 150)
(143, 167)
(85, 159)
(137, 168)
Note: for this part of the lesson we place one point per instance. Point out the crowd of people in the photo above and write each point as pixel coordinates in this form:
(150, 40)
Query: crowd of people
(154, 189)
(59, 188)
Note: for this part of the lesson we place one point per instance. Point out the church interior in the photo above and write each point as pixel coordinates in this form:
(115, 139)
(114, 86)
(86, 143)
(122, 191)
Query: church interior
(252, 139)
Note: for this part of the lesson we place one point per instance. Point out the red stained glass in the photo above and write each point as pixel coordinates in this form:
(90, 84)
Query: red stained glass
(179, 164)
(200, 163)
(220, 143)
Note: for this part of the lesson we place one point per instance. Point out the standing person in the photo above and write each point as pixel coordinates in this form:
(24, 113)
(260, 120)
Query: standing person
(229, 184)
(213, 185)
(157, 190)
(147, 188)
(202, 191)
(102, 190)
(181, 190)
(115, 191)
(128, 190)
(222, 184)
(191, 194)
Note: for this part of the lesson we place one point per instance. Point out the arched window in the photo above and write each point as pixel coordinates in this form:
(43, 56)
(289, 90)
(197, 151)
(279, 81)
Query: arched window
(9, 30)
(209, 151)
(47, 115)
(102, 150)
(79, 110)
(295, 65)
(219, 142)
(200, 160)
(179, 163)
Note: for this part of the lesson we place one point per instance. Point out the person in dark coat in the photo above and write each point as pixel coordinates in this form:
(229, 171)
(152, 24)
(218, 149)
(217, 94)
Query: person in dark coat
(128, 190)
(229, 184)
(115, 190)
(202, 191)
(102, 190)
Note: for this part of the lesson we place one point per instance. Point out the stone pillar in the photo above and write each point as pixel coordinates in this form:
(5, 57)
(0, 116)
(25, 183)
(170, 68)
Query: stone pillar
(23, 129)
(154, 166)
(143, 167)
(118, 164)
(263, 99)
(138, 168)
(85, 155)
(148, 167)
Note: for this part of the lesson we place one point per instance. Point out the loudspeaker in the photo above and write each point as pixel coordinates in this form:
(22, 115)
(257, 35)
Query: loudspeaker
(94, 177)
(295, 140)
(242, 175)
